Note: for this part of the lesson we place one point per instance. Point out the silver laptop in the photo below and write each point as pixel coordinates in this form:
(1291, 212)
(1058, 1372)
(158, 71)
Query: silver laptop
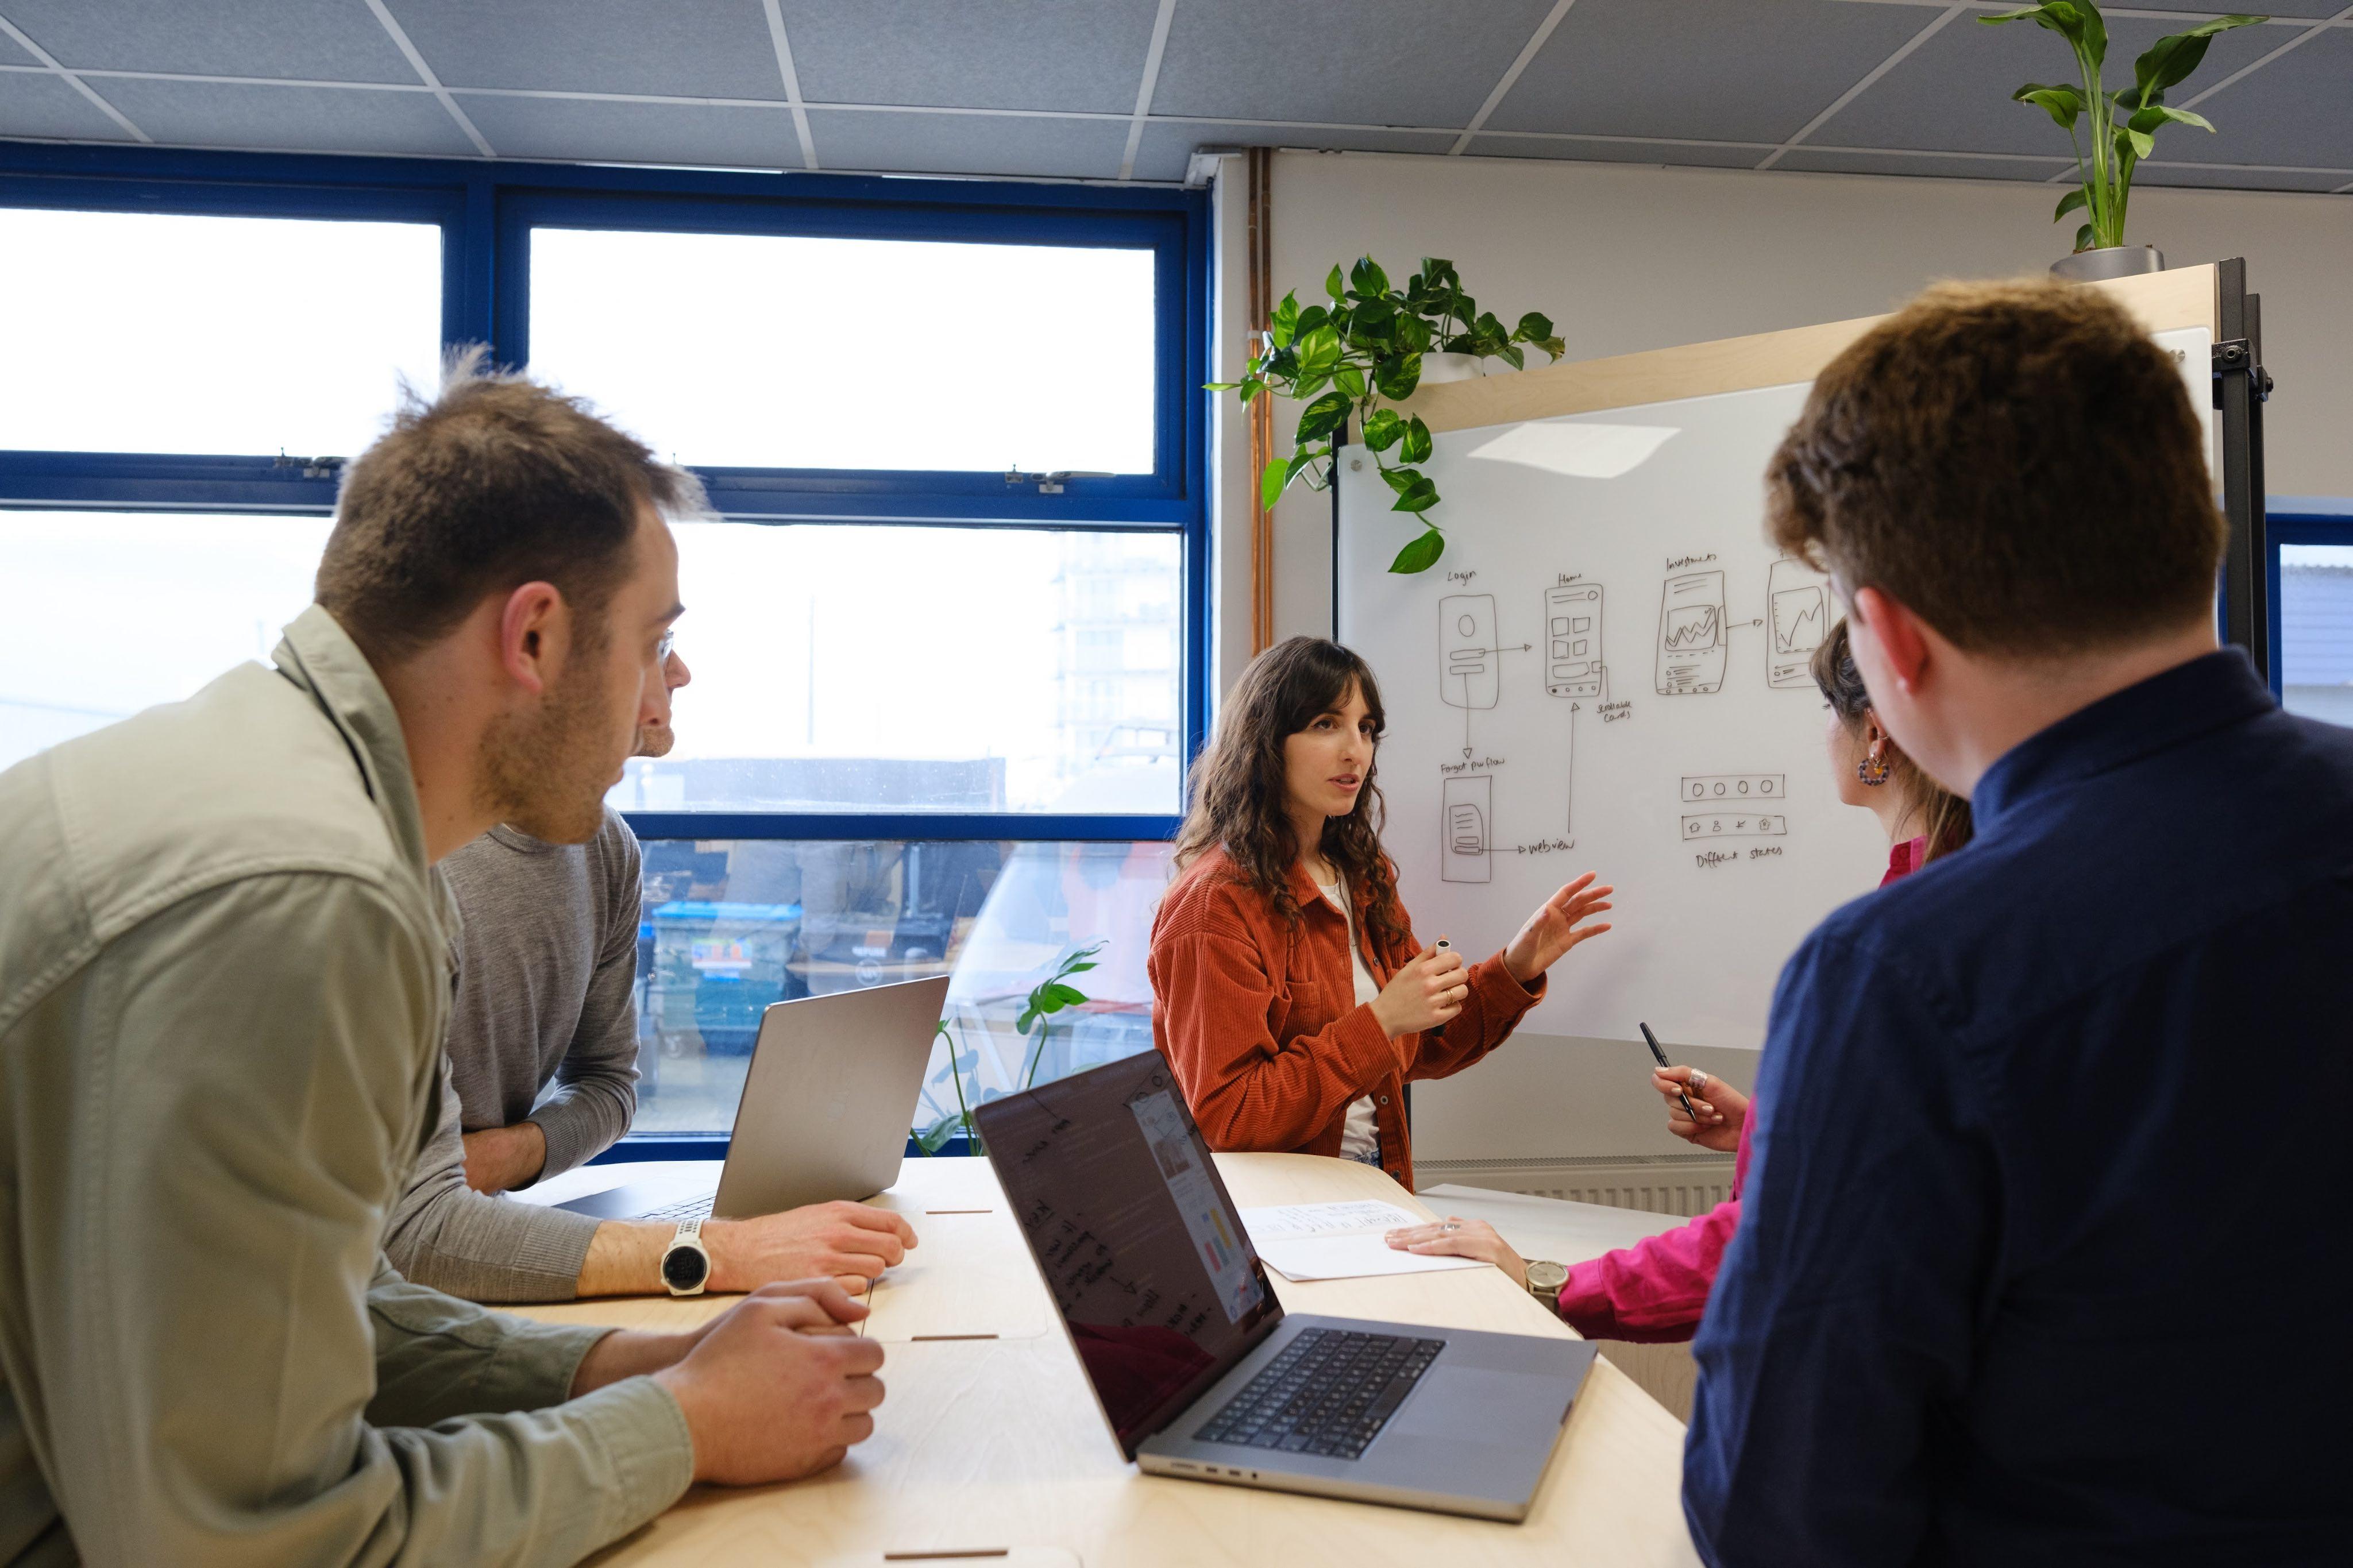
(1198, 1370)
(827, 1104)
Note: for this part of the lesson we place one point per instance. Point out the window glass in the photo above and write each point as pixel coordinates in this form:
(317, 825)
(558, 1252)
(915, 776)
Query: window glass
(854, 668)
(770, 351)
(2315, 612)
(731, 926)
(160, 332)
(110, 613)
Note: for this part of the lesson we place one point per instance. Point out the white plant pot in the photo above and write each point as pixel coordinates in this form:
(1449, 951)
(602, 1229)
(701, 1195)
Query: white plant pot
(1450, 367)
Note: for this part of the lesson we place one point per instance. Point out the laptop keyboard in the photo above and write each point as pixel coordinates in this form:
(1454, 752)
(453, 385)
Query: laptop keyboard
(1330, 1393)
(693, 1208)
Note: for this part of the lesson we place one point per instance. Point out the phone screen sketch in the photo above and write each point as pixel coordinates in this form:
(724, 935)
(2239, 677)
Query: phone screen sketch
(1691, 634)
(1573, 640)
(1466, 828)
(1466, 644)
(1798, 601)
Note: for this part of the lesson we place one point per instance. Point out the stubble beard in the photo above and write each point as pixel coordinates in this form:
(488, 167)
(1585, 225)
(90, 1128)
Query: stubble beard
(545, 773)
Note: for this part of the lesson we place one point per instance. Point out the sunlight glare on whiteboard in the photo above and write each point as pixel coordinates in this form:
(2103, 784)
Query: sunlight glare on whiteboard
(1578, 451)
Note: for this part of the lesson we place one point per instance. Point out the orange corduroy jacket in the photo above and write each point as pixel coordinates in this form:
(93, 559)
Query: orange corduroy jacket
(1260, 1019)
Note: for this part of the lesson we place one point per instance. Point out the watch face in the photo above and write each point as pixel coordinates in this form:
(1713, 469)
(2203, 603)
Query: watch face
(1546, 1276)
(683, 1268)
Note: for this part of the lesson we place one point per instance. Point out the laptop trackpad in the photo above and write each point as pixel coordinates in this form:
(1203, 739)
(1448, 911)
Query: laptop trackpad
(1469, 1405)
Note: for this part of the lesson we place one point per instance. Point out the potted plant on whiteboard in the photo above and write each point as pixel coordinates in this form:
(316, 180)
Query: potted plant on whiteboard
(2108, 149)
(1360, 354)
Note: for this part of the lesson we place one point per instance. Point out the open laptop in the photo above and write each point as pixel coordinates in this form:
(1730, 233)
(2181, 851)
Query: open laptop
(825, 1111)
(1200, 1372)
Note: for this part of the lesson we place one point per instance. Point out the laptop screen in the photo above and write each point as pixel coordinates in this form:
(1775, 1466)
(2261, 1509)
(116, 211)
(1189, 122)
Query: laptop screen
(1139, 1244)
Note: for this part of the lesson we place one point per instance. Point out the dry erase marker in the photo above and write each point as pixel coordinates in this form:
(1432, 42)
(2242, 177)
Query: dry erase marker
(1652, 1041)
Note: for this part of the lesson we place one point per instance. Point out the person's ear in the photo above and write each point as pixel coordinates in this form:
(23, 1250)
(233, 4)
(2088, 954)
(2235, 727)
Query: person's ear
(1900, 636)
(532, 625)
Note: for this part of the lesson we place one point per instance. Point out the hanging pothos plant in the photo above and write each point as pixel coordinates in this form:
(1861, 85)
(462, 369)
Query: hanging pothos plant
(1047, 998)
(2107, 151)
(1352, 358)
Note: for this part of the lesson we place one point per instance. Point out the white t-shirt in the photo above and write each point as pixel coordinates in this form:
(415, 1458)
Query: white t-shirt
(1358, 1138)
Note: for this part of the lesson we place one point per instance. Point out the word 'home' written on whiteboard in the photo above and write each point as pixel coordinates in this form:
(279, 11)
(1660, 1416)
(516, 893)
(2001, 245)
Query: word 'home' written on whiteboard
(1608, 670)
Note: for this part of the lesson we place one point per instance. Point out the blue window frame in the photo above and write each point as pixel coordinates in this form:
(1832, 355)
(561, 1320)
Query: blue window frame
(2319, 623)
(486, 214)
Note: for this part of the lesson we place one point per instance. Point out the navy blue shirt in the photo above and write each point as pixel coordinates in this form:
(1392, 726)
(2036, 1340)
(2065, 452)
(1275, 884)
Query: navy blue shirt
(2043, 1256)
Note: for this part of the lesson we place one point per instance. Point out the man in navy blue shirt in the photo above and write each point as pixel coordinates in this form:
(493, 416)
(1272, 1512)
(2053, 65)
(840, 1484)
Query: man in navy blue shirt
(2039, 1263)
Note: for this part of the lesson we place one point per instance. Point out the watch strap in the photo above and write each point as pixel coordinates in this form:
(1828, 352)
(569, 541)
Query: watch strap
(688, 1237)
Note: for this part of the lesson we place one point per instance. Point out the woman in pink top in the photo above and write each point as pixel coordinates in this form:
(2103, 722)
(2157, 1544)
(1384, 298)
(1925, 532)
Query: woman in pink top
(1656, 1290)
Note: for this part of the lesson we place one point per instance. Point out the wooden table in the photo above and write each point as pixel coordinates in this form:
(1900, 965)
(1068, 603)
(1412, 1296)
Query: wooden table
(995, 1444)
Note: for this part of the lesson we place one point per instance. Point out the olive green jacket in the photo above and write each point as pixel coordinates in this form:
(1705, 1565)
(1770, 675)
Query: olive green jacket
(223, 984)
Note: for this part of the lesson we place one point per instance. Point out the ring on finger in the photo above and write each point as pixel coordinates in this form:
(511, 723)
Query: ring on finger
(1698, 1081)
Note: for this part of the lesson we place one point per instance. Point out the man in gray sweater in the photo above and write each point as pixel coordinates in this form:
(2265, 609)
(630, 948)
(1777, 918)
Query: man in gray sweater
(224, 983)
(542, 1075)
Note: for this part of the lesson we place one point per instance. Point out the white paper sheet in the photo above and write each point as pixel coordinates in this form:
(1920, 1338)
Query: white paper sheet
(1339, 1241)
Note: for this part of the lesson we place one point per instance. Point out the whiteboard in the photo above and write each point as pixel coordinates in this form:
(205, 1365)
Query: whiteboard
(1608, 671)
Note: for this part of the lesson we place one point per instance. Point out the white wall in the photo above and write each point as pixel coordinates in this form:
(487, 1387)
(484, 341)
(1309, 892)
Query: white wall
(1627, 259)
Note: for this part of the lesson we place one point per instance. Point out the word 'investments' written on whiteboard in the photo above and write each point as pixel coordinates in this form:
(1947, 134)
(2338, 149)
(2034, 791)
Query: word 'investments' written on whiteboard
(1608, 670)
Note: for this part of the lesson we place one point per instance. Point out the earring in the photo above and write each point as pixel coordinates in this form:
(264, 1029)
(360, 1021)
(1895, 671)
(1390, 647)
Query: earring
(1872, 770)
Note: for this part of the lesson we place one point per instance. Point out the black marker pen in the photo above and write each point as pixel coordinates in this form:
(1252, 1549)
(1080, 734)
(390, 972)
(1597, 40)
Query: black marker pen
(1652, 1040)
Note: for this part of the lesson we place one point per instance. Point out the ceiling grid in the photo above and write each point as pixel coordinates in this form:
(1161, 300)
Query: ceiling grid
(1126, 89)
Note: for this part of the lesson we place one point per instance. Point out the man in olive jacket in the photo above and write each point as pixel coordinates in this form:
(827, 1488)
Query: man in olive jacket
(222, 986)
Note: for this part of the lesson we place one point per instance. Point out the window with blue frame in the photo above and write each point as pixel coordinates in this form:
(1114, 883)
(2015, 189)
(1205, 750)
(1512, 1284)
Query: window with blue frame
(946, 628)
(2312, 584)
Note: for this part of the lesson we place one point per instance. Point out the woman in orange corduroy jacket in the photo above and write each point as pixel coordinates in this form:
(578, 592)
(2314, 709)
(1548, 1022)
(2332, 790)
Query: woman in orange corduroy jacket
(1289, 993)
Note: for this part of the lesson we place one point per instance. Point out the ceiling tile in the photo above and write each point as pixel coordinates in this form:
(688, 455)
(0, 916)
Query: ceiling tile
(1667, 153)
(214, 37)
(2204, 8)
(685, 49)
(12, 53)
(2297, 109)
(1724, 70)
(299, 119)
(2229, 177)
(1952, 94)
(1357, 62)
(1934, 166)
(1014, 144)
(1168, 144)
(35, 103)
(971, 54)
(600, 131)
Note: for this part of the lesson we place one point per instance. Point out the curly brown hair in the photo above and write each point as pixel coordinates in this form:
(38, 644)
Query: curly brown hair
(1239, 786)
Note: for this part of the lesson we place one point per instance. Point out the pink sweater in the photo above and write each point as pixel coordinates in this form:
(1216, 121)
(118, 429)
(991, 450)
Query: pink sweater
(1654, 1291)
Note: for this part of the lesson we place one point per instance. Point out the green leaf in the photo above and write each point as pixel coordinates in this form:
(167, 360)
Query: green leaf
(1511, 356)
(2060, 102)
(1307, 386)
(1333, 286)
(1351, 380)
(2075, 200)
(1396, 379)
(1383, 429)
(1367, 276)
(1283, 324)
(1312, 318)
(1277, 477)
(2169, 61)
(2158, 114)
(1061, 996)
(1420, 495)
(1398, 479)
(2084, 238)
(2140, 142)
(1251, 388)
(1028, 1017)
(1553, 347)
(1416, 441)
(1220, 385)
(1420, 554)
(1319, 352)
(1534, 328)
(1323, 415)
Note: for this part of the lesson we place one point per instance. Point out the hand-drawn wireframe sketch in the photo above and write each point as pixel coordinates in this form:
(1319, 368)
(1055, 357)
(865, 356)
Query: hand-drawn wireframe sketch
(1734, 789)
(1466, 641)
(1797, 612)
(1691, 634)
(1735, 824)
(1467, 831)
(1573, 640)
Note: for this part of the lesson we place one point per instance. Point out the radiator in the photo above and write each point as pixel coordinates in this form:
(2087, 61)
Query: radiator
(1656, 1184)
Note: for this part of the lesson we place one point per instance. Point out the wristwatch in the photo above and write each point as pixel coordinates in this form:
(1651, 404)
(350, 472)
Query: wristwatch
(686, 1265)
(1545, 1280)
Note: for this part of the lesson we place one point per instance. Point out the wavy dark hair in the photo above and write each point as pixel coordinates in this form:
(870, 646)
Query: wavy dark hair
(1240, 788)
(1944, 817)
